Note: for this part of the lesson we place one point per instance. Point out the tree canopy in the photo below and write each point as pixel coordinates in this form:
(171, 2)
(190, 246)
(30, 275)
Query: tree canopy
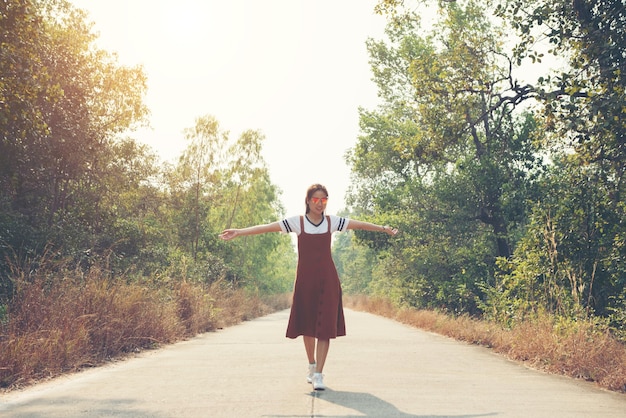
(508, 188)
(76, 186)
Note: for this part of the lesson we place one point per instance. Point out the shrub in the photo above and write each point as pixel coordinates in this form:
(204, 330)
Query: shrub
(60, 320)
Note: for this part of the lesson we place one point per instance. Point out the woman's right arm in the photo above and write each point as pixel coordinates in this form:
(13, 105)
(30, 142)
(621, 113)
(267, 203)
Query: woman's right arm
(229, 234)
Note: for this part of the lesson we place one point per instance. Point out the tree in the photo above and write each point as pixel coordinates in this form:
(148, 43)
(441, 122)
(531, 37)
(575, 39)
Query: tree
(265, 262)
(62, 105)
(134, 229)
(448, 150)
(584, 115)
(24, 83)
(199, 176)
(222, 182)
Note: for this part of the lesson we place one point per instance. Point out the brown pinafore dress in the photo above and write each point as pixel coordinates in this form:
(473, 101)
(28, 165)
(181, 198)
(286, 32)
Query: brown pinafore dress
(316, 310)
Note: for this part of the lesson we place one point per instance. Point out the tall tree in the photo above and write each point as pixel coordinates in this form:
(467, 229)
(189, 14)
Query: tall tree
(62, 104)
(199, 173)
(267, 261)
(575, 238)
(448, 147)
(584, 114)
(222, 182)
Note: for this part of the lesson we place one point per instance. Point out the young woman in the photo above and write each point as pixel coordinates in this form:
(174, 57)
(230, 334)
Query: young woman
(316, 311)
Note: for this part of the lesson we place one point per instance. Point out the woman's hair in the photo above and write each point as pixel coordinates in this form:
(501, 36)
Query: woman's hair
(309, 193)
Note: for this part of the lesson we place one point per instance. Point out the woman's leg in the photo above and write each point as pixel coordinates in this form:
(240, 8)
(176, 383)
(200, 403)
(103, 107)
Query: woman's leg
(309, 346)
(322, 352)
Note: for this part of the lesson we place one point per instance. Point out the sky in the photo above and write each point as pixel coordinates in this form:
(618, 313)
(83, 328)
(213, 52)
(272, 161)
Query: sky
(295, 70)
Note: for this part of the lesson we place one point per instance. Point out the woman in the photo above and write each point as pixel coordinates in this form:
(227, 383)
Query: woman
(316, 311)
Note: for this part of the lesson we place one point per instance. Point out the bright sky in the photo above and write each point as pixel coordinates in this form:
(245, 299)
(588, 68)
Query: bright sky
(295, 70)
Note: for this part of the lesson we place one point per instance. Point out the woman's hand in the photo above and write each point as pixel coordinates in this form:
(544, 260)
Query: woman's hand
(390, 231)
(229, 234)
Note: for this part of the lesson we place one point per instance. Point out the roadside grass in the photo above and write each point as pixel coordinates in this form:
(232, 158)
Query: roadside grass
(578, 349)
(61, 322)
(71, 322)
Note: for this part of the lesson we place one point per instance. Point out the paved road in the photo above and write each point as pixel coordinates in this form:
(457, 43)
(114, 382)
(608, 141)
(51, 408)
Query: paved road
(381, 369)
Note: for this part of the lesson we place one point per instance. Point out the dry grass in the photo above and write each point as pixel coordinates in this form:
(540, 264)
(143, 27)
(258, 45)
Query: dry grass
(62, 325)
(581, 350)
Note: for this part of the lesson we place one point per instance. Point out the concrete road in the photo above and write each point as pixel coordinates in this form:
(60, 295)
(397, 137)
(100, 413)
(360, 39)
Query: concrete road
(381, 369)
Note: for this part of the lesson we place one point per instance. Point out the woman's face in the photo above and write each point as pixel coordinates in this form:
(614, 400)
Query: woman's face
(317, 202)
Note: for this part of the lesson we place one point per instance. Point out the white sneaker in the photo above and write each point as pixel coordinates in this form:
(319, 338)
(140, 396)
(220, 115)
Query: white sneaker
(318, 381)
(309, 377)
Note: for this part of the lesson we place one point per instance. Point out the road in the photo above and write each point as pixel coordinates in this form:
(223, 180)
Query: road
(381, 369)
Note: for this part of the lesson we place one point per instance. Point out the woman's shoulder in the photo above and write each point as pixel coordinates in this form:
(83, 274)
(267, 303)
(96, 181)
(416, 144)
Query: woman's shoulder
(338, 223)
(290, 224)
(293, 218)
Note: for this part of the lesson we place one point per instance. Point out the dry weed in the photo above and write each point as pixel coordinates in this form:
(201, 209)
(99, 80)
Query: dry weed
(56, 326)
(580, 350)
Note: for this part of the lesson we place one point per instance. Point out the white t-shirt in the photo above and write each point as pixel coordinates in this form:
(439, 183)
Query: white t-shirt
(292, 224)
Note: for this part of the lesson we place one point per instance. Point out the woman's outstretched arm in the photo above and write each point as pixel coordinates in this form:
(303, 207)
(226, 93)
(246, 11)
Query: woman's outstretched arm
(367, 226)
(229, 234)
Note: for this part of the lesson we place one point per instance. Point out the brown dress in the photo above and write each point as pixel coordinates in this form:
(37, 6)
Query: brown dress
(316, 310)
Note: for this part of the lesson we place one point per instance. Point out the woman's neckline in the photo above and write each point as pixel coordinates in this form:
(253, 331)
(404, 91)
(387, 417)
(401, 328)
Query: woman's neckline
(313, 223)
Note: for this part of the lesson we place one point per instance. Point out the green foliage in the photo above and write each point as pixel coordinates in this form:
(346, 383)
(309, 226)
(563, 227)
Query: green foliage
(617, 316)
(223, 183)
(505, 210)
(4, 317)
(564, 264)
(578, 222)
(584, 102)
(354, 263)
(76, 190)
(519, 209)
(63, 102)
(445, 157)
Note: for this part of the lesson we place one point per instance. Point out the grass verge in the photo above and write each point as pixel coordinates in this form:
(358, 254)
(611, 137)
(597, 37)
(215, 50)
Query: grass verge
(578, 349)
(58, 326)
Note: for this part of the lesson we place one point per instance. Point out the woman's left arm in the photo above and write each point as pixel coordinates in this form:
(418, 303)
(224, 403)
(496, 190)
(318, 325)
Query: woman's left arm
(367, 226)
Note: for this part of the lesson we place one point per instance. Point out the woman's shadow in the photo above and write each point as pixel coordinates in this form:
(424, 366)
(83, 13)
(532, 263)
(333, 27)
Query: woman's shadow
(368, 405)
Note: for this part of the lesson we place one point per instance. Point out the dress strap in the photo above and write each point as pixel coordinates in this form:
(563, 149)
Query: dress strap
(328, 220)
(302, 224)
